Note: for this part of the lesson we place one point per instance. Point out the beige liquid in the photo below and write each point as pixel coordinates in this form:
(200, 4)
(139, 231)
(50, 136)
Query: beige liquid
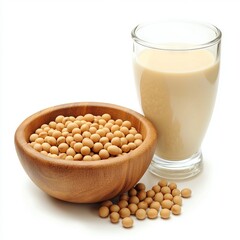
(177, 91)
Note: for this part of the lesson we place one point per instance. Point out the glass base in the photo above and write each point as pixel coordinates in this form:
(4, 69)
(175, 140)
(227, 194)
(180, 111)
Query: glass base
(176, 169)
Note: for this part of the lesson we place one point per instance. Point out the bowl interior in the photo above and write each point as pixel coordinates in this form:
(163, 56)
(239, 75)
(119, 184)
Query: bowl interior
(75, 109)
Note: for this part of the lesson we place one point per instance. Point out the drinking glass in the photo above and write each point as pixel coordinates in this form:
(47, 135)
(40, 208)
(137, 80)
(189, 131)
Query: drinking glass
(176, 66)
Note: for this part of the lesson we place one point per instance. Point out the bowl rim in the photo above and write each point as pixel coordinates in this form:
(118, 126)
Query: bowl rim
(21, 142)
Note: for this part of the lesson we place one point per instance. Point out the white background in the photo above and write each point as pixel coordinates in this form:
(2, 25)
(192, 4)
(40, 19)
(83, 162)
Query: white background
(54, 52)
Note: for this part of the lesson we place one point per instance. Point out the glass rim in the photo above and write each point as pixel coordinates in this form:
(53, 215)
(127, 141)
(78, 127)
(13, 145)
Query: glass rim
(215, 40)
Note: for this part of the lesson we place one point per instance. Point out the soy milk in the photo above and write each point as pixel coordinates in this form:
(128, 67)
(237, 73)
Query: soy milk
(177, 91)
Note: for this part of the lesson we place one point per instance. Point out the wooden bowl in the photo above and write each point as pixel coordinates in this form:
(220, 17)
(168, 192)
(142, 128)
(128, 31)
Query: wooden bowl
(85, 181)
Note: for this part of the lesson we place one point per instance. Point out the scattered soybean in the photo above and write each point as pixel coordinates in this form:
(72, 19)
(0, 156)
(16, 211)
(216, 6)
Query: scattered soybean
(162, 199)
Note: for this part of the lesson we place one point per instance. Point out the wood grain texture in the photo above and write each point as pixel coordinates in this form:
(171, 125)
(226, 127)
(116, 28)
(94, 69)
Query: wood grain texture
(84, 181)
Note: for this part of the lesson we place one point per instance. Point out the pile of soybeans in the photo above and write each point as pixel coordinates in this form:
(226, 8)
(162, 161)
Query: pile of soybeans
(163, 199)
(86, 138)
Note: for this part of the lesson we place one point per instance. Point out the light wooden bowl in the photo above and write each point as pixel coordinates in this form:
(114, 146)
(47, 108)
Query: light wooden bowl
(85, 181)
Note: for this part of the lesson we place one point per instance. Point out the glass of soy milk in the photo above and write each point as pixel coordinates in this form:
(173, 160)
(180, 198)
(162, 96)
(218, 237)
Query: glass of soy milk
(176, 66)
